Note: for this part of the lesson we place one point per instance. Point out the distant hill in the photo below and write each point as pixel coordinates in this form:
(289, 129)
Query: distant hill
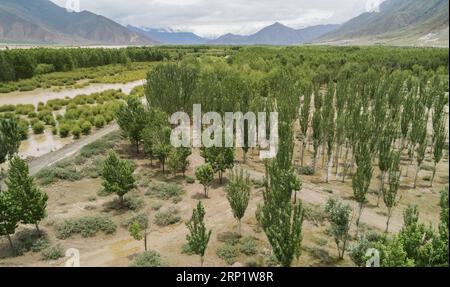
(41, 21)
(167, 36)
(408, 22)
(277, 34)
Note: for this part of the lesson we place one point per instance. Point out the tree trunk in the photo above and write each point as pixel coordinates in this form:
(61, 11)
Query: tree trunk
(240, 227)
(434, 174)
(329, 167)
(388, 220)
(145, 240)
(206, 192)
(303, 153)
(202, 260)
(38, 230)
(245, 156)
(358, 219)
(344, 171)
(314, 162)
(380, 192)
(323, 156)
(417, 175)
(338, 155)
(10, 241)
(220, 177)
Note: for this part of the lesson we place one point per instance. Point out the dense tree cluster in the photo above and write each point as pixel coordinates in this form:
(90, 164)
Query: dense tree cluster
(23, 64)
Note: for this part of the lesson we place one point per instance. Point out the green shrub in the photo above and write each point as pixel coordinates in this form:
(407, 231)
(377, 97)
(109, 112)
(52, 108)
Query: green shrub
(87, 226)
(190, 180)
(165, 191)
(148, 259)
(76, 132)
(86, 127)
(38, 128)
(228, 253)
(306, 170)
(53, 252)
(40, 244)
(167, 217)
(64, 130)
(248, 246)
(99, 121)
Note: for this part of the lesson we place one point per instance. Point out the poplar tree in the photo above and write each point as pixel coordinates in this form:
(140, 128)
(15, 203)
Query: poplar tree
(198, 237)
(384, 159)
(438, 147)
(238, 194)
(280, 217)
(390, 195)
(304, 119)
(9, 138)
(31, 200)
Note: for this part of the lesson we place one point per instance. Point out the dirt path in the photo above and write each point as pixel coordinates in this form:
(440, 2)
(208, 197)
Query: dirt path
(51, 158)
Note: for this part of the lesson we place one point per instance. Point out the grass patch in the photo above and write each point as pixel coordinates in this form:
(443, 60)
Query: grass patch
(166, 217)
(148, 259)
(165, 191)
(87, 226)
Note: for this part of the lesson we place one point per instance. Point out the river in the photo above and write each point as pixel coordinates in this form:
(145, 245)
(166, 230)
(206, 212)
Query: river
(44, 95)
(39, 145)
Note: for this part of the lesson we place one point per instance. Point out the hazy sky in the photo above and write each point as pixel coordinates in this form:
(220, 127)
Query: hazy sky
(213, 18)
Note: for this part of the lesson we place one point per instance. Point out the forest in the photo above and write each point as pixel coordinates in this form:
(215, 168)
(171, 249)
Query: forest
(363, 124)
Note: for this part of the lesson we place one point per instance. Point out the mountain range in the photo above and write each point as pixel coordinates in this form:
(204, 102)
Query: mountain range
(168, 36)
(43, 22)
(398, 22)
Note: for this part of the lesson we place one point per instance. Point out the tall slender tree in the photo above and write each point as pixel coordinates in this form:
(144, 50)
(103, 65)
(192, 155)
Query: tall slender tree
(238, 194)
(198, 237)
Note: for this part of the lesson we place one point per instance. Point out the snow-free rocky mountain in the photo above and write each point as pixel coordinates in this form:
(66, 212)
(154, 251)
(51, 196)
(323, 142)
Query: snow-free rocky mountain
(43, 22)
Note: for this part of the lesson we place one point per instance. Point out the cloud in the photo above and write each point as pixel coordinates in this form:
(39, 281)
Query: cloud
(213, 18)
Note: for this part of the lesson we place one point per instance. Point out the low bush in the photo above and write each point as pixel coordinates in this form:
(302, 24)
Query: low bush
(52, 252)
(228, 253)
(248, 246)
(148, 259)
(87, 226)
(165, 191)
(38, 128)
(306, 170)
(166, 217)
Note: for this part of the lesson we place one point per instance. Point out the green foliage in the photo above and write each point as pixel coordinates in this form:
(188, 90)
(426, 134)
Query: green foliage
(132, 119)
(9, 138)
(248, 246)
(53, 252)
(339, 215)
(117, 175)
(165, 191)
(205, 175)
(87, 226)
(198, 237)
(38, 128)
(166, 217)
(148, 259)
(32, 202)
(280, 218)
(219, 158)
(228, 252)
(138, 228)
(238, 193)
